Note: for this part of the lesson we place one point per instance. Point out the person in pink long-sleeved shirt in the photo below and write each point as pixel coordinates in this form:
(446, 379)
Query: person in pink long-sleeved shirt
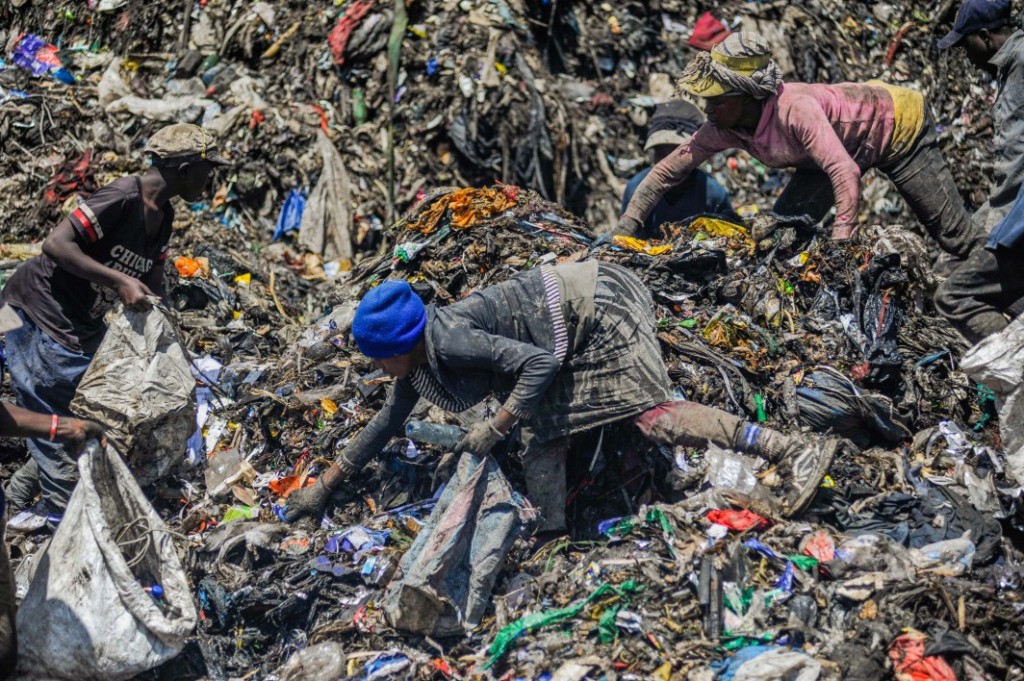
(830, 133)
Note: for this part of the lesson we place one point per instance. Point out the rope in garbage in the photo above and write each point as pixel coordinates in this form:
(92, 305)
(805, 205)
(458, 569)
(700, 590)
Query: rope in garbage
(145, 540)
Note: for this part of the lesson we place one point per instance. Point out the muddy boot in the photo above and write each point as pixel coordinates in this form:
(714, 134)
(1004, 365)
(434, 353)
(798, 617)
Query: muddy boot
(802, 461)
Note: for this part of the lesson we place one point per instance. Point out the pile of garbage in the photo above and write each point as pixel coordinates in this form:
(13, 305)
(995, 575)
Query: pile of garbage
(454, 144)
(553, 97)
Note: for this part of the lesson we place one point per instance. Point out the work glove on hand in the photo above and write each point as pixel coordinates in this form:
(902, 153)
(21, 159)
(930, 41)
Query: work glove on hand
(307, 502)
(479, 439)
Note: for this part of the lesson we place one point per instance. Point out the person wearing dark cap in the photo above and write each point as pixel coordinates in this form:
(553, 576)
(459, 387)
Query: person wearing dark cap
(112, 246)
(672, 124)
(993, 42)
(977, 297)
(567, 349)
(831, 134)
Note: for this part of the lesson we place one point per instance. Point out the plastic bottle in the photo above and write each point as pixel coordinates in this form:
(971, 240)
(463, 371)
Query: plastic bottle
(156, 591)
(441, 435)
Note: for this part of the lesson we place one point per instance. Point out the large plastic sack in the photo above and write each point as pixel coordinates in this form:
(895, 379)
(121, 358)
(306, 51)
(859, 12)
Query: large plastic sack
(831, 403)
(448, 573)
(139, 386)
(87, 614)
(997, 362)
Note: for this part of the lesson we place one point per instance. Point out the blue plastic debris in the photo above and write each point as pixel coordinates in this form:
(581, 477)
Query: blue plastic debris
(291, 213)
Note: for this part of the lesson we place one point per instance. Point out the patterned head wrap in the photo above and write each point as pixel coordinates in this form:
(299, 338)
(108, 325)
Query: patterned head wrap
(740, 63)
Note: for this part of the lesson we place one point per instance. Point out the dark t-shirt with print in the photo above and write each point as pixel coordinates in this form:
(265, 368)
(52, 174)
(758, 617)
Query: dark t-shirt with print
(110, 227)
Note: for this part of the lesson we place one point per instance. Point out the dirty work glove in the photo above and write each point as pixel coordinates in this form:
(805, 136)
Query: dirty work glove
(307, 502)
(479, 439)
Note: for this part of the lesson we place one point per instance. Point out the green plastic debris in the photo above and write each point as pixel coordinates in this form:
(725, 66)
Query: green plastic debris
(621, 528)
(732, 643)
(537, 620)
(759, 403)
(239, 512)
(987, 404)
(805, 563)
(607, 632)
(656, 515)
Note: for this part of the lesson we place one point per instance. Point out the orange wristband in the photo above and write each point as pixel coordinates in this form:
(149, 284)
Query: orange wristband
(53, 428)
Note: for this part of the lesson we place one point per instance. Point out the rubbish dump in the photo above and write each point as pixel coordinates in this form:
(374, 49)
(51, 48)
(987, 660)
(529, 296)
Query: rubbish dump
(455, 144)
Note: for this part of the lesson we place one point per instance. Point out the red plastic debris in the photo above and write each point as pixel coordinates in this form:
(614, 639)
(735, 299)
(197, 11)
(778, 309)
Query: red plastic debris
(819, 545)
(740, 521)
(342, 31)
(910, 664)
(707, 32)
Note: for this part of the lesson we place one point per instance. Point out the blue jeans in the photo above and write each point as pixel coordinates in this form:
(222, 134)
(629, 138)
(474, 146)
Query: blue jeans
(44, 376)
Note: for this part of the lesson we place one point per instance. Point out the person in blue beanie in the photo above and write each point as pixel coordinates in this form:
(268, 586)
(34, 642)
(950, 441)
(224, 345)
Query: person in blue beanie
(567, 349)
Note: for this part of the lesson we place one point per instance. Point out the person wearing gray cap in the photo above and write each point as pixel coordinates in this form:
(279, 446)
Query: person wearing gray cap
(991, 39)
(977, 297)
(111, 247)
(18, 422)
(673, 123)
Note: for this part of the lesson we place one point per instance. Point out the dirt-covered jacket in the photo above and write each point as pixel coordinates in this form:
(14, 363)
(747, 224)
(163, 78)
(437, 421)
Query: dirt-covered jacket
(508, 340)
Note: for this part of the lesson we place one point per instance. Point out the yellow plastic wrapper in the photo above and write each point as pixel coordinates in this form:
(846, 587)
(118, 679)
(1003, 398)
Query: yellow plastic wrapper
(631, 243)
(737, 235)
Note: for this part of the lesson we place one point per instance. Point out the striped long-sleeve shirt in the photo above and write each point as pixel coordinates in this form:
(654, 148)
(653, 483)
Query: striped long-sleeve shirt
(508, 340)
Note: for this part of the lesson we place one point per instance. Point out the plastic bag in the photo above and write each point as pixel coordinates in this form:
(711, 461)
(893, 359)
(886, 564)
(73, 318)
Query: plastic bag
(448, 573)
(830, 402)
(140, 388)
(998, 363)
(87, 614)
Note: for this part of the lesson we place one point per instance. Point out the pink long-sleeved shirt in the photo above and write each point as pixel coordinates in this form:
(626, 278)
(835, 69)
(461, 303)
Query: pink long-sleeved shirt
(843, 129)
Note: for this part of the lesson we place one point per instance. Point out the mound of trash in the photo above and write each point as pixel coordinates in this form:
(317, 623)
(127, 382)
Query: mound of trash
(454, 144)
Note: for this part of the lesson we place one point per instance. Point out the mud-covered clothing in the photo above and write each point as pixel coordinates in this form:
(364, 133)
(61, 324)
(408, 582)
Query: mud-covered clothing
(1008, 126)
(110, 227)
(922, 178)
(979, 294)
(699, 194)
(566, 348)
(44, 377)
(842, 129)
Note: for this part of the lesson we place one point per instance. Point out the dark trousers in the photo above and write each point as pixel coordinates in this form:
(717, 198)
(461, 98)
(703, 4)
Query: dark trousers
(673, 423)
(976, 297)
(922, 179)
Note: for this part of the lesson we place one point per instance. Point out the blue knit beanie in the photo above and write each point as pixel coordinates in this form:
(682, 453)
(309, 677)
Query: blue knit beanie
(389, 320)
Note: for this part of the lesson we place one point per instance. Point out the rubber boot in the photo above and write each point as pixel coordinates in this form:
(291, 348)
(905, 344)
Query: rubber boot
(802, 460)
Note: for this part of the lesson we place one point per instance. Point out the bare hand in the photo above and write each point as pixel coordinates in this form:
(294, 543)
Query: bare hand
(77, 431)
(134, 294)
(843, 231)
